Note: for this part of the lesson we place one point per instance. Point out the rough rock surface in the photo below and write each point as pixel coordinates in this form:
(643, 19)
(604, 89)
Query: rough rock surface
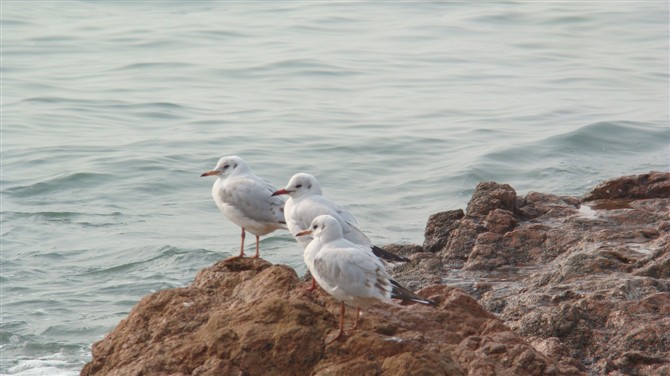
(248, 317)
(525, 285)
(584, 280)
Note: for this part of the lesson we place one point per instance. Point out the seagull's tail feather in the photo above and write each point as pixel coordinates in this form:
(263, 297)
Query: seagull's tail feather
(388, 256)
(400, 292)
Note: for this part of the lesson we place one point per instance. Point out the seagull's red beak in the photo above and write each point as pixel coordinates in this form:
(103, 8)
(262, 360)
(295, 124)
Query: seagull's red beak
(304, 232)
(281, 192)
(209, 173)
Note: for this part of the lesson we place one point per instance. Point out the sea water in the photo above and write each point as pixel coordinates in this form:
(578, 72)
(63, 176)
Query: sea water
(112, 110)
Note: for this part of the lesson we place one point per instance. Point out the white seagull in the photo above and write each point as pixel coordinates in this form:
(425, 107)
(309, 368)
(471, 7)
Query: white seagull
(307, 202)
(246, 199)
(349, 272)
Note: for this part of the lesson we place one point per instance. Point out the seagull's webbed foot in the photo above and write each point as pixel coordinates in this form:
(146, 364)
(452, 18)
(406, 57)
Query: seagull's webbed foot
(241, 255)
(231, 258)
(332, 338)
(340, 333)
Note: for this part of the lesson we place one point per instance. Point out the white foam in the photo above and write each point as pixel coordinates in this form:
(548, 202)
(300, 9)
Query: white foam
(42, 371)
(586, 212)
(51, 365)
(640, 248)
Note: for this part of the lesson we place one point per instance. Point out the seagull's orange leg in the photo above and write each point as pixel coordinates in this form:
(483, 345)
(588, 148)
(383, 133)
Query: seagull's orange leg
(242, 236)
(258, 239)
(340, 333)
(313, 286)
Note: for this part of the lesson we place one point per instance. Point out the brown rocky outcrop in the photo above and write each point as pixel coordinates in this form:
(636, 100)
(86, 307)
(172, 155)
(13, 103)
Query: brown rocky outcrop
(525, 285)
(248, 317)
(586, 279)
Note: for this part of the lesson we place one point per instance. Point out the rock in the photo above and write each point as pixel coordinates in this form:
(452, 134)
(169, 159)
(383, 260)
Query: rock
(545, 206)
(461, 240)
(453, 234)
(500, 221)
(585, 280)
(406, 250)
(248, 317)
(425, 269)
(489, 196)
(659, 266)
(438, 229)
(646, 186)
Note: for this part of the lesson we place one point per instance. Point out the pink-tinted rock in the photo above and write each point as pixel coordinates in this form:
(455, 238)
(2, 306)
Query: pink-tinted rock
(500, 221)
(461, 240)
(585, 282)
(489, 196)
(438, 229)
(544, 206)
(646, 186)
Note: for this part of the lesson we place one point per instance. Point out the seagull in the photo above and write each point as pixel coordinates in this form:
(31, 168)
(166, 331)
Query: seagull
(306, 202)
(246, 200)
(349, 272)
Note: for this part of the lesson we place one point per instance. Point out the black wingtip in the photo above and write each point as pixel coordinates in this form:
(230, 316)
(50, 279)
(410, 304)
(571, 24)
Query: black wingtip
(388, 256)
(400, 292)
(426, 302)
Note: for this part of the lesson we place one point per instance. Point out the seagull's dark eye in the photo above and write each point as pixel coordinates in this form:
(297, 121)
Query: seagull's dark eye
(299, 186)
(225, 166)
(315, 227)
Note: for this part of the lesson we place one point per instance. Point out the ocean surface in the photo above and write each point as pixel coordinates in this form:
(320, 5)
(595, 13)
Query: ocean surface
(112, 110)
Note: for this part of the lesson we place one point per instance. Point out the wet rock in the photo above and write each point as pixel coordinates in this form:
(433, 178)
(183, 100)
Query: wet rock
(658, 266)
(439, 228)
(462, 240)
(424, 269)
(521, 246)
(489, 196)
(586, 280)
(544, 206)
(500, 221)
(248, 317)
(646, 186)
(452, 234)
(406, 250)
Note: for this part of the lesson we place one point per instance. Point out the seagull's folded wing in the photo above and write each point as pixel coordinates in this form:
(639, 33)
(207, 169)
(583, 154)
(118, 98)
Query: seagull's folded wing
(353, 271)
(254, 200)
